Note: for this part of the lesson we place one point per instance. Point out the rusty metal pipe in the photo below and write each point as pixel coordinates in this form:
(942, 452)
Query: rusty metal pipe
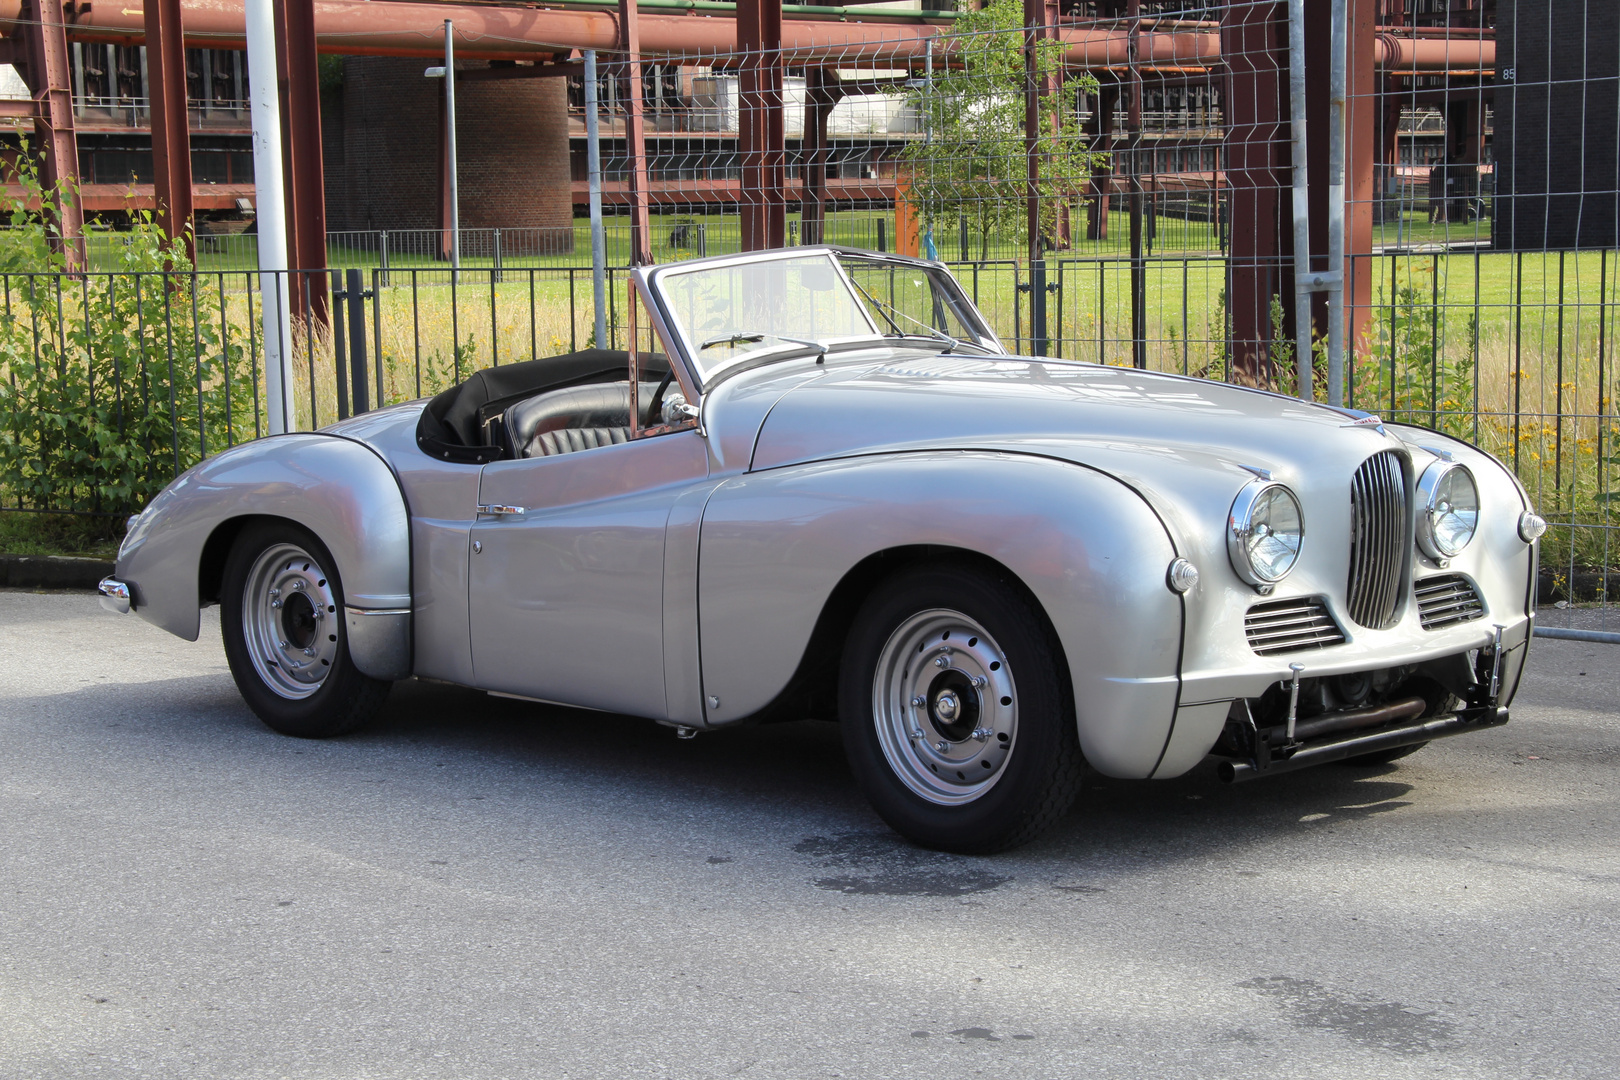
(1406, 709)
(489, 32)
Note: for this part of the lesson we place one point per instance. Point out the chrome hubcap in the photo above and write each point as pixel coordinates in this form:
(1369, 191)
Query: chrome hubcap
(290, 621)
(945, 707)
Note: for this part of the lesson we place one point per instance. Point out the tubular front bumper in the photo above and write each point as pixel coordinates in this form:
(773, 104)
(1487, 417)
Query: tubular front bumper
(1438, 727)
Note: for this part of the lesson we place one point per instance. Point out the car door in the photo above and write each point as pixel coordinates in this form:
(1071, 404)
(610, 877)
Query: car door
(566, 584)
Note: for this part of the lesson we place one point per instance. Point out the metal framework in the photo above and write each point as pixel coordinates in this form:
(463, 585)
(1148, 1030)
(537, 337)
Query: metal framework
(1246, 49)
(171, 136)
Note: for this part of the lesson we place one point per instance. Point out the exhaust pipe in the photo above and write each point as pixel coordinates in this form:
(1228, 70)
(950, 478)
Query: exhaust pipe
(1405, 709)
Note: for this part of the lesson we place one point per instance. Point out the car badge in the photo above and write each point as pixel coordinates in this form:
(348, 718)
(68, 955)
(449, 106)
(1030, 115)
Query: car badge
(1364, 420)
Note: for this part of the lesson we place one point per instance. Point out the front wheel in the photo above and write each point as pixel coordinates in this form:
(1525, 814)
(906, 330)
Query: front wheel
(955, 711)
(281, 614)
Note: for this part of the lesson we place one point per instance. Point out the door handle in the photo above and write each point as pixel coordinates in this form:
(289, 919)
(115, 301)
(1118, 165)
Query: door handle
(498, 510)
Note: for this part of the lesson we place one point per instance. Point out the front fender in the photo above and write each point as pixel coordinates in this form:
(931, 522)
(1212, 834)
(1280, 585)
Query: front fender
(337, 488)
(775, 544)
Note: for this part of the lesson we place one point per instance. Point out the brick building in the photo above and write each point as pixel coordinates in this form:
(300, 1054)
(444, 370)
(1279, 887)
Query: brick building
(381, 134)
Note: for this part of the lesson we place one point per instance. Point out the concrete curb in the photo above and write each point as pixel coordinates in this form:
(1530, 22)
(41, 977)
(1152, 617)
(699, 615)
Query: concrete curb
(52, 572)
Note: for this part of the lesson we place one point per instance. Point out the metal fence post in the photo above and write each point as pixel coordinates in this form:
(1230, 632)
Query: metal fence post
(340, 360)
(357, 341)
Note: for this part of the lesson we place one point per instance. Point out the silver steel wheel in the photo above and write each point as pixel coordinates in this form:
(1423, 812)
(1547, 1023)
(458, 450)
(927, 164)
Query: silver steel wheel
(945, 707)
(290, 621)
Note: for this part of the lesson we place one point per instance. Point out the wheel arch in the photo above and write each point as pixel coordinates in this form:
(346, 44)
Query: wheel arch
(785, 552)
(338, 489)
(812, 692)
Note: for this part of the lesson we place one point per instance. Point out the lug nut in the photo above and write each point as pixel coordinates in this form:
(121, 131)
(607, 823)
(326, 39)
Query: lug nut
(919, 701)
(942, 746)
(982, 734)
(942, 661)
(298, 585)
(977, 681)
(275, 604)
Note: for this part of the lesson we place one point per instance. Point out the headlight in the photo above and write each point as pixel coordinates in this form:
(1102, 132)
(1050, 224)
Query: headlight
(1264, 533)
(1449, 499)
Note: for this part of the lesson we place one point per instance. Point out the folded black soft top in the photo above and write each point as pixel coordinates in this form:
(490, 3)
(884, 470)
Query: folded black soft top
(451, 427)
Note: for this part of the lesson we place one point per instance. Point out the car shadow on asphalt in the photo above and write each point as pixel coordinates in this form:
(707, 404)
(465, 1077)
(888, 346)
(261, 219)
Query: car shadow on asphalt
(793, 772)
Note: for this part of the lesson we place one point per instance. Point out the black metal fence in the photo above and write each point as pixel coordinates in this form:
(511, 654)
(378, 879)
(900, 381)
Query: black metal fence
(114, 383)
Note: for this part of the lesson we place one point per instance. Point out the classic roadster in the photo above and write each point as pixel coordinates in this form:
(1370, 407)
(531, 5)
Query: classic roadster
(817, 486)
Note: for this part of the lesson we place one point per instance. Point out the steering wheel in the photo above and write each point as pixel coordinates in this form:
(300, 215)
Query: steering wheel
(653, 411)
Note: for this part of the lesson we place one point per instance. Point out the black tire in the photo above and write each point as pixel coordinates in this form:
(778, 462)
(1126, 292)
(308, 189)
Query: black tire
(1384, 757)
(337, 697)
(1032, 782)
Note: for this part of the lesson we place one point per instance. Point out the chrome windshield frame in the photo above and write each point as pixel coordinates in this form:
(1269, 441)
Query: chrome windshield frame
(687, 349)
(653, 275)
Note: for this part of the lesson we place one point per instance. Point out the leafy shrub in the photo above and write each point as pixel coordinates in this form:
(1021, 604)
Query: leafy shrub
(110, 383)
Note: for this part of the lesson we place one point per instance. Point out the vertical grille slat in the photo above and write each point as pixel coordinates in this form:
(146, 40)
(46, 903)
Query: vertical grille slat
(1284, 626)
(1378, 515)
(1447, 600)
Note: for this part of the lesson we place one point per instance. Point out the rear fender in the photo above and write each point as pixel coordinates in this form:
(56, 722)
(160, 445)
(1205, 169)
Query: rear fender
(337, 488)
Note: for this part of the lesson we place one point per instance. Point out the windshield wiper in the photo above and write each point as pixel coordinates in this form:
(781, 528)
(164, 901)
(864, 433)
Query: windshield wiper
(730, 339)
(884, 310)
(753, 336)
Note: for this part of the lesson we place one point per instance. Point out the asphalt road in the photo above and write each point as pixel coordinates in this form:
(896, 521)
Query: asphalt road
(481, 888)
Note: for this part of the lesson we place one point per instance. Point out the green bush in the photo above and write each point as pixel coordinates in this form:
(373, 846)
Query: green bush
(110, 383)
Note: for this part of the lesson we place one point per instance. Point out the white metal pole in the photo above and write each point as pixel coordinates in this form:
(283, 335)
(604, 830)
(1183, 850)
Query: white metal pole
(1339, 92)
(450, 146)
(270, 215)
(1301, 200)
(593, 157)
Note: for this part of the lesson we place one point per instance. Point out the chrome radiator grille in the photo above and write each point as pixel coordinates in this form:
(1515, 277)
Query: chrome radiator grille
(1300, 622)
(1378, 540)
(1445, 600)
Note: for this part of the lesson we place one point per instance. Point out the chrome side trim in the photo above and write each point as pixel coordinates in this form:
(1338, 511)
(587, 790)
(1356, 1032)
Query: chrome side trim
(115, 595)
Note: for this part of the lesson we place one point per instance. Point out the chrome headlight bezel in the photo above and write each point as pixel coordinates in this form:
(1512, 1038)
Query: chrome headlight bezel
(1242, 524)
(1432, 541)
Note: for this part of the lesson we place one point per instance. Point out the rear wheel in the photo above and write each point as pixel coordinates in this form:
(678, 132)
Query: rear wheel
(281, 615)
(955, 711)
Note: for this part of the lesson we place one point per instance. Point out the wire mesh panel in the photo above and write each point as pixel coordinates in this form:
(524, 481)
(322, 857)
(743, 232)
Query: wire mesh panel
(1169, 185)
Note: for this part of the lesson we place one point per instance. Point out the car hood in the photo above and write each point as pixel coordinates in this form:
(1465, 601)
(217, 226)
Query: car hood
(1081, 412)
(1187, 445)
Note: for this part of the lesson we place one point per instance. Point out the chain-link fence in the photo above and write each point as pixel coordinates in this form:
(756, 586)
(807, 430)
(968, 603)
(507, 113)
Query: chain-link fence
(1410, 206)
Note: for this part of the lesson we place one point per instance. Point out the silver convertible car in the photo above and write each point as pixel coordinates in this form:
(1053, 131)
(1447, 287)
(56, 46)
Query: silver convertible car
(819, 487)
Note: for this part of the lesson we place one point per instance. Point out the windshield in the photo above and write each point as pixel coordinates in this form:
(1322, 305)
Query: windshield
(726, 313)
(908, 299)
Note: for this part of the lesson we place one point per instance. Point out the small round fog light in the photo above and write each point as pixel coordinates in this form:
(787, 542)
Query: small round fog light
(1531, 526)
(1183, 576)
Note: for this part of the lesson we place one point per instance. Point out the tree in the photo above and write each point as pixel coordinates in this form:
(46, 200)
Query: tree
(972, 160)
